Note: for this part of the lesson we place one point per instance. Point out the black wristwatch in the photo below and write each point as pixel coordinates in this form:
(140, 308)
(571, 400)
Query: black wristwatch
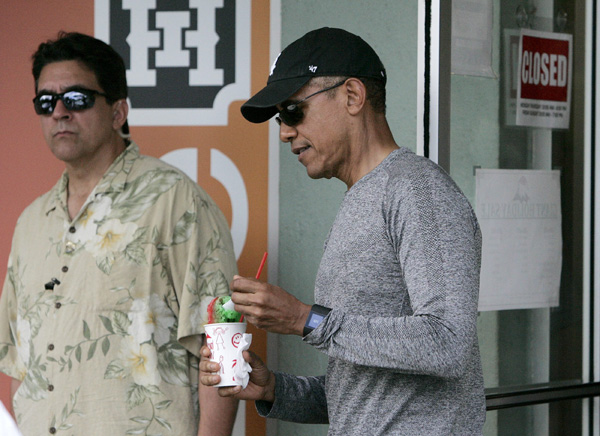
(316, 315)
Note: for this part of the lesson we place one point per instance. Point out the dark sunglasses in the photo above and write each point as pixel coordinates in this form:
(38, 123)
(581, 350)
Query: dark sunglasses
(292, 114)
(74, 100)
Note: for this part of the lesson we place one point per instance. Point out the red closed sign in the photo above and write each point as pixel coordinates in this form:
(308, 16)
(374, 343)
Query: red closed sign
(544, 69)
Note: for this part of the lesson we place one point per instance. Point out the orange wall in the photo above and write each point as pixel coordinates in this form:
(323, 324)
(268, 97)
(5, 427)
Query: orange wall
(27, 168)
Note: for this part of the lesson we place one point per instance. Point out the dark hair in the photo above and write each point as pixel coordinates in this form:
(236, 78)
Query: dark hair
(375, 90)
(106, 64)
(375, 93)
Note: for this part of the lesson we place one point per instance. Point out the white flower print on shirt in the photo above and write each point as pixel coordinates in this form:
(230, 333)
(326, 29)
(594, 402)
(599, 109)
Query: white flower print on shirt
(94, 213)
(150, 316)
(140, 361)
(23, 338)
(112, 237)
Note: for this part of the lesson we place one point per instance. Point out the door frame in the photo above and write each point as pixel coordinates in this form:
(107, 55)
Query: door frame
(434, 142)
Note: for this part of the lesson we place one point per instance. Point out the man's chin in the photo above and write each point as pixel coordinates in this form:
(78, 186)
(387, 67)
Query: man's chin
(317, 174)
(63, 152)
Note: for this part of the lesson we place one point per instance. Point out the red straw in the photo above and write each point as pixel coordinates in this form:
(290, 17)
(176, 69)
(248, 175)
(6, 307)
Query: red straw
(262, 263)
(260, 268)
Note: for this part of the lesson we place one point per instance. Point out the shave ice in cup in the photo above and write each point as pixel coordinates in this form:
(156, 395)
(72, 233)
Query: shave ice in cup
(226, 338)
(220, 309)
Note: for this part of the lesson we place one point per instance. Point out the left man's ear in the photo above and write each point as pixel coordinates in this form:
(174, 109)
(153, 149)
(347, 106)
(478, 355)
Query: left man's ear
(120, 112)
(356, 95)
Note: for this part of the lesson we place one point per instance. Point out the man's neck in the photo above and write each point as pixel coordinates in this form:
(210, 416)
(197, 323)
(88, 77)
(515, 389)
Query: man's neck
(83, 177)
(372, 144)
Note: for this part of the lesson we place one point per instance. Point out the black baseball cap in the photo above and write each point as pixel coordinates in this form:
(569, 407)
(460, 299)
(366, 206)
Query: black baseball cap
(321, 52)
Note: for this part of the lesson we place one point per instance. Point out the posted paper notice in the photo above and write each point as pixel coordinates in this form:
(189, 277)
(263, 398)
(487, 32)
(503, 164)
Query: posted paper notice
(520, 217)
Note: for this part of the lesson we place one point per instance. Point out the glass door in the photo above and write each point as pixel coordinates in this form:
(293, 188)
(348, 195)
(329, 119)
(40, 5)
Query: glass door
(508, 139)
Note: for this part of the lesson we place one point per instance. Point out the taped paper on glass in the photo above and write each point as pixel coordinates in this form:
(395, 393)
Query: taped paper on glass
(520, 217)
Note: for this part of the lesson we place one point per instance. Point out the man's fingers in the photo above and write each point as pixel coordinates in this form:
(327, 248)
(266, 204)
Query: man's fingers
(209, 367)
(245, 284)
(206, 366)
(252, 358)
(210, 380)
(250, 293)
(230, 391)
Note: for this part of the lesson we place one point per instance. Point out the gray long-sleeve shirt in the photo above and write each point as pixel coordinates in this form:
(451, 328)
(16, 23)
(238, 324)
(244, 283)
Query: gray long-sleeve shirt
(400, 270)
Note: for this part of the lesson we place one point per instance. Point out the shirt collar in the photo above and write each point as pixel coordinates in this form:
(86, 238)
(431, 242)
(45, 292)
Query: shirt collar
(113, 180)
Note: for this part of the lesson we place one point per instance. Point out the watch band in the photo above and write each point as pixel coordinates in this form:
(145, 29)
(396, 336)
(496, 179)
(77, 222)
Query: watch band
(315, 317)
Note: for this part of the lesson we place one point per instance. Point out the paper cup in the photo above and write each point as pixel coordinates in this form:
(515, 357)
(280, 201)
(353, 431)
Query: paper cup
(226, 342)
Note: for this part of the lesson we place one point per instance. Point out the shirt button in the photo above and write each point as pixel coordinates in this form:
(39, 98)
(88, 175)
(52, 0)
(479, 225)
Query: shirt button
(57, 305)
(51, 347)
(52, 430)
(65, 268)
(70, 247)
(72, 229)
(50, 388)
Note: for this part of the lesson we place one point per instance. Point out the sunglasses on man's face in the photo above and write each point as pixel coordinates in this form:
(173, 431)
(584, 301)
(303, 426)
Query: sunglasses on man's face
(74, 100)
(292, 114)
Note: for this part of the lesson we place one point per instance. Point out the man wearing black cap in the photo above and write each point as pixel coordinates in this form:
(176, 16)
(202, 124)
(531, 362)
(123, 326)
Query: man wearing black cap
(397, 286)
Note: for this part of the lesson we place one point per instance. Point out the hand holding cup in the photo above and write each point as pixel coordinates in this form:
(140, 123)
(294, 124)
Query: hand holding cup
(260, 387)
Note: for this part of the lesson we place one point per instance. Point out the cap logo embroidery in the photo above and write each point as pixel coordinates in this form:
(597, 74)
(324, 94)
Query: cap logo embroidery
(313, 68)
(274, 64)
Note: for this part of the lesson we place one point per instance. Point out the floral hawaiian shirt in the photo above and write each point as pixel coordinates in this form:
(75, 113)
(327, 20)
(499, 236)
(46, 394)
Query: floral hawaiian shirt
(101, 316)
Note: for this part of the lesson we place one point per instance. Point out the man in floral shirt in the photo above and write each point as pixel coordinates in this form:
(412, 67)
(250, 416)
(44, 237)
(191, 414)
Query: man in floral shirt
(103, 309)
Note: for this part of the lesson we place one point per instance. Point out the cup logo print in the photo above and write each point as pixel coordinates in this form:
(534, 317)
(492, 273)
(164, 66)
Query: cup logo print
(186, 60)
(219, 342)
(209, 344)
(235, 340)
